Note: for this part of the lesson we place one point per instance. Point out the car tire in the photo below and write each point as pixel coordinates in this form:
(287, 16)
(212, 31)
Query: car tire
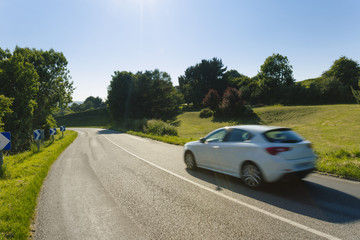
(251, 175)
(190, 160)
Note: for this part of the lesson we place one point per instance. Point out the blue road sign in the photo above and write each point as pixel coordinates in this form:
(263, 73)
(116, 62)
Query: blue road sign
(37, 134)
(52, 131)
(62, 128)
(5, 141)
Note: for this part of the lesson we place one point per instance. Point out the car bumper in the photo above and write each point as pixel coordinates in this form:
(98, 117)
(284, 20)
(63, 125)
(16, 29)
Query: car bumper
(288, 169)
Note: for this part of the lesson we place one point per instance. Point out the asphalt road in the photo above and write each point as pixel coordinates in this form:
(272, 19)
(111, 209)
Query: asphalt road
(110, 185)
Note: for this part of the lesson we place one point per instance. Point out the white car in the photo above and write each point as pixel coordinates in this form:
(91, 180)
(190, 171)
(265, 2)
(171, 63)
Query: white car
(254, 153)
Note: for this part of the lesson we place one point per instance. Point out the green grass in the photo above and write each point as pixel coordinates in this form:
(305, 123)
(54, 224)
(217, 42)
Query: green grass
(20, 183)
(330, 127)
(167, 139)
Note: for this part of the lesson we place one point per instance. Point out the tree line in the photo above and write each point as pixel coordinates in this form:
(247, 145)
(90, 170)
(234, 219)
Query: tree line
(90, 103)
(33, 84)
(274, 83)
(209, 84)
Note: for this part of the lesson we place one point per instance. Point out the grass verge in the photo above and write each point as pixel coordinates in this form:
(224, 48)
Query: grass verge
(342, 163)
(20, 183)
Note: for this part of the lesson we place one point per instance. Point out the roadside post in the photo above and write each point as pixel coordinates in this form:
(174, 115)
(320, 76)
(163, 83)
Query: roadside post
(37, 137)
(52, 133)
(62, 129)
(42, 134)
(5, 144)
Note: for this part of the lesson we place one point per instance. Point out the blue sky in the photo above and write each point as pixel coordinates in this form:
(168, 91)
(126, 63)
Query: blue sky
(99, 37)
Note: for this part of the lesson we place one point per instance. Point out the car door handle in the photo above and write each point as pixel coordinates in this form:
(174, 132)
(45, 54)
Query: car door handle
(215, 147)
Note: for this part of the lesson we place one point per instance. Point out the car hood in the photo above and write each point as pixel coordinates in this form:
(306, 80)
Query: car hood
(192, 142)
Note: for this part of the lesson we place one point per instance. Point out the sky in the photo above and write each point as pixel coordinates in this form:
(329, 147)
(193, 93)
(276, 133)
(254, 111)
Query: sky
(99, 37)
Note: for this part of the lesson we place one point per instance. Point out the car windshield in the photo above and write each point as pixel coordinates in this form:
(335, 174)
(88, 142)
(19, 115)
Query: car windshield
(282, 136)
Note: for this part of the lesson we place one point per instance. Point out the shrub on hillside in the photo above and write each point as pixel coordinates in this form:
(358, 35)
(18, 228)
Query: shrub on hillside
(160, 128)
(232, 104)
(212, 100)
(206, 113)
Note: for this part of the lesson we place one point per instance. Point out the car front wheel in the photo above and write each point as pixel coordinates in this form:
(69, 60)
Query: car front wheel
(251, 175)
(190, 160)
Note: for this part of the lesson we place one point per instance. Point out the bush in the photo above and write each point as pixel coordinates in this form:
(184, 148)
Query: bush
(212, 100)
(160, 128)
(232, 104)
(136, 124)
(206, 113)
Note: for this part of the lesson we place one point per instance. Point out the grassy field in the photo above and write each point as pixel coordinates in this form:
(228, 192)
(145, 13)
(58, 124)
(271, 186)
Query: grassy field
(329, 127)
(333, 130)
(20, 182)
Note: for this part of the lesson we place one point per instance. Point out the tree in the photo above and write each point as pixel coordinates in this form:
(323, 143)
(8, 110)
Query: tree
(38, 81)
(212, 100)
(5, 104)
(55, 88)
(198, 79)
(75, 107)
(19, 81)
(148, 94)
(164, 98)
(232, 104)
(346, 70)
(93, 102)
(232, 78)
(120, 93)
(275, 73)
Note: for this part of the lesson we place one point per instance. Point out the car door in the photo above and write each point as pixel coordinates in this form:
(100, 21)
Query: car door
(234, 149)
(206, 151)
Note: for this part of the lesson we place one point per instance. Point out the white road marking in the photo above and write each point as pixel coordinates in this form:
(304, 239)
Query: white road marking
(296, 224)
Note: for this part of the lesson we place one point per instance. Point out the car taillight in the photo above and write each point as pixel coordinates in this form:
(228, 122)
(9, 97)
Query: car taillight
(276, 150)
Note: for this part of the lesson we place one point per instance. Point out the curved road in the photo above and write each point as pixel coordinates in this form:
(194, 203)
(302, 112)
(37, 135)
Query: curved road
(110, 185)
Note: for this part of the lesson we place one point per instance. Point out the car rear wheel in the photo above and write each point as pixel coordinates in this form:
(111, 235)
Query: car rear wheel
(251, 175)
(190, 160)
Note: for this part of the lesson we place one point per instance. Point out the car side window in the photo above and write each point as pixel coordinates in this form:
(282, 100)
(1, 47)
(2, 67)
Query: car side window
(238, 135)
(217, 136)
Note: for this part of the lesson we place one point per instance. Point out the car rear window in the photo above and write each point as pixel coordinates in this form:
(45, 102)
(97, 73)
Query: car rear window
(282, 136)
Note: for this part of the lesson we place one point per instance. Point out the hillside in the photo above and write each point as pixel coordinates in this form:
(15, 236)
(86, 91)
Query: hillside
(91, 118)
(329, 127)
(307, 82)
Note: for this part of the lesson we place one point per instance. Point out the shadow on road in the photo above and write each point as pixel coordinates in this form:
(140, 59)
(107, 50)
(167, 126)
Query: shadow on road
(108, 131)
(302, 197)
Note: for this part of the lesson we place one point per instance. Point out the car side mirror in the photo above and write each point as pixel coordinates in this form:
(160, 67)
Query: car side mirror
(202, 140)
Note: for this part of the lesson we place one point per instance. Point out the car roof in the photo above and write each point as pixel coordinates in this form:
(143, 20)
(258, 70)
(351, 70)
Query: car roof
(256, 128)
